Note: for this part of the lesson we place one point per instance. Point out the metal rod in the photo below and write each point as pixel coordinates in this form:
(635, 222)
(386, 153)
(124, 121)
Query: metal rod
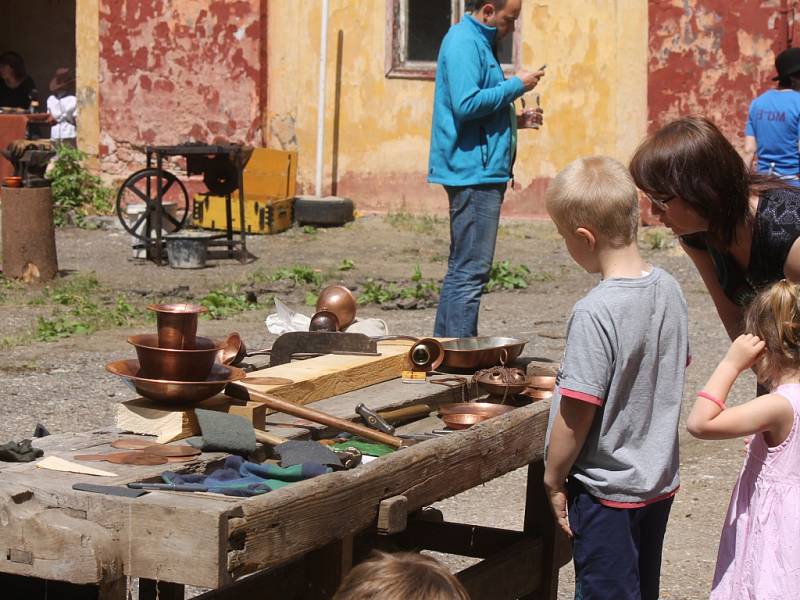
(323, 63)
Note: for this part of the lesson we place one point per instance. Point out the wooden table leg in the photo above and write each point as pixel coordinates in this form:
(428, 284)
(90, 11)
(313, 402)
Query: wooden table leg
(327, 567)
(160, 590)
(539, 521)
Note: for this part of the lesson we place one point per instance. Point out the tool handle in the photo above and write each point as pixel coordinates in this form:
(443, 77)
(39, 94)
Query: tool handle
(373, 419)
(313, 415)
(407, 412)
(269, 438)
(169, 487)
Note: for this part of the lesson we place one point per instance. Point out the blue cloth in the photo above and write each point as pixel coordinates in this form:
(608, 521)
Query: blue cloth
(617, 551)
(238, 477)
(471, 137)
(774, 120)
(474, 217)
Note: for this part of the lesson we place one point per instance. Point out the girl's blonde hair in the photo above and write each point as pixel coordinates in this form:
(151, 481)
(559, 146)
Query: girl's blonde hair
(774, 316)
(598, 193)
(402, 576)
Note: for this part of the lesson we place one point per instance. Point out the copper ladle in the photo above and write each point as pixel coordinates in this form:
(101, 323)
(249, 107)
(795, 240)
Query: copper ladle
(234, 351)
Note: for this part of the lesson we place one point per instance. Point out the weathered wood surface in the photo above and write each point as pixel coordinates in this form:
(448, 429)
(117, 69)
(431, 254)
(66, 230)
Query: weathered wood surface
(208, 540)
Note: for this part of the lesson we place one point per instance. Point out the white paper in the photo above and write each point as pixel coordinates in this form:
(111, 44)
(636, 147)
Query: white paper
(284, 320)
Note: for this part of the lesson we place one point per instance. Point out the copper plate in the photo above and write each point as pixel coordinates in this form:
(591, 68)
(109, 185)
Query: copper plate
(175, 365)
(179, 450)
(538, 394)
(462, 420)
(135, 458)
(485, 409)
(268, 381)
(132, 444)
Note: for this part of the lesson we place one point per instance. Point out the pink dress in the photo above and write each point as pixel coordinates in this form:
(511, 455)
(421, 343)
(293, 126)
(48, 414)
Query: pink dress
(759, 552)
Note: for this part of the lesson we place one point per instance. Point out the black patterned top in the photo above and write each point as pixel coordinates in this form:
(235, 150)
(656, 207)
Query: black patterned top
(776, 228)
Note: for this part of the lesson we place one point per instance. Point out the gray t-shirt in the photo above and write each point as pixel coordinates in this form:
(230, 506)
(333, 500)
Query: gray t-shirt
(627, 351)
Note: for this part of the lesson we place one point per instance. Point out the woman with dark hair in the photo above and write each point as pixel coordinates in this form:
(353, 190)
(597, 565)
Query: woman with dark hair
(16, 86)
(740, 228)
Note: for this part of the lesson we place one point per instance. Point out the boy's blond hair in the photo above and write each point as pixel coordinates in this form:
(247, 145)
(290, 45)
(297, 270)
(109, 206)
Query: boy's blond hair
(597, 193)
(402, 576)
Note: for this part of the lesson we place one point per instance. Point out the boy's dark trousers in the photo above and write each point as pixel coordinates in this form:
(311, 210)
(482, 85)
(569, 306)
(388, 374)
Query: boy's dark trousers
(617, 551)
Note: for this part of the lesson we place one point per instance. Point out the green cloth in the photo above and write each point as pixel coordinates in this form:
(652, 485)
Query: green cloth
(366, 447)
(223, 432)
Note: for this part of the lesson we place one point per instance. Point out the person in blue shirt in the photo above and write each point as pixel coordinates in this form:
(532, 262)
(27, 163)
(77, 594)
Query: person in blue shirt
(473, 146)
(773, 124)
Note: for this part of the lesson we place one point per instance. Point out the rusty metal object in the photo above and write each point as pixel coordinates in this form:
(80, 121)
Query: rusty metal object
(177, 324)
(319, 342)
(485, 409)
(480, 352)
(175, 392)
(427, 354)
(176, 450)
(340, 301)
(324, 320)
(29, 242)
(132, 444)
(171, 364)
(462, 420)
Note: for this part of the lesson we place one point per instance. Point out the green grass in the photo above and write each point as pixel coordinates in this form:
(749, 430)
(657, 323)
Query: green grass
(421, 224)
(657, 238)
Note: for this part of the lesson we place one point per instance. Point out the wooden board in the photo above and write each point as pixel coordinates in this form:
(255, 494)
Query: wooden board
(143, 417)
(331, 375)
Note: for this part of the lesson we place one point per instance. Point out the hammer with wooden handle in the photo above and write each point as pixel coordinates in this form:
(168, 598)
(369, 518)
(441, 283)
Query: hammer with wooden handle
(276, 404)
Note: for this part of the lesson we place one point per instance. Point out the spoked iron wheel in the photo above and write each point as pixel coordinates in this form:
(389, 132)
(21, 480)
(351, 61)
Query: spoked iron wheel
(141, 188)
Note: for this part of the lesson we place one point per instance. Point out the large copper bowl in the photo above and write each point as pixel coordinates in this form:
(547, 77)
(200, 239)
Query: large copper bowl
(480, 352)
(485, 409)
(177, 324)
(175, 392)
(340, 301)
(175, 365)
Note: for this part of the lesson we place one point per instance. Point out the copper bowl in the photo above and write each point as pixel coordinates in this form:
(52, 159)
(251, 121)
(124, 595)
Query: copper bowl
(175, 392)
(324, 320)
(177, 324)
(484, 409)
(462, 420)
(480, 352)
(495, 382)
(13, 181)
(340, 301)
(175, 365)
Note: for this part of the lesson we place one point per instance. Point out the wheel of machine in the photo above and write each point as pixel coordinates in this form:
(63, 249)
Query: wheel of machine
(330, 210)
(141, 188)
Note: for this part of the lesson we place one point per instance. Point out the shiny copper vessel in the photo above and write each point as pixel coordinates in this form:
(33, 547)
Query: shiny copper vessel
(175, 365)
(340, 301)
(177, 324)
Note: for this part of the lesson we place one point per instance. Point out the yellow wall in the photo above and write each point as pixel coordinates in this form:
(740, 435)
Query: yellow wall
(594, 97)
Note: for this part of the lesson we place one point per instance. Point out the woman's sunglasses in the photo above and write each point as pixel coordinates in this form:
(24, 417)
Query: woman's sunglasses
(661, 203)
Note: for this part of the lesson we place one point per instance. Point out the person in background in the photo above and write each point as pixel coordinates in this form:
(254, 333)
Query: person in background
(402, 576)
(773, 123)
(62, 108)
(612, 441)
(16, 87)
(759, 550)
(472, 152)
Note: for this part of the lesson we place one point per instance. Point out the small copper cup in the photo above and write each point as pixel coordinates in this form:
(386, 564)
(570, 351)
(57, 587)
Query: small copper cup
(177, 325)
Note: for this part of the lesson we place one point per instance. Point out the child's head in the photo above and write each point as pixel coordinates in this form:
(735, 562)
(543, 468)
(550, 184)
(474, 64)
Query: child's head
(403, 576)
(774, 316)
(595, 194)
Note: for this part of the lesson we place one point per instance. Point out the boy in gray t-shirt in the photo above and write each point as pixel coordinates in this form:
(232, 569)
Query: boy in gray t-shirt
(612, 440)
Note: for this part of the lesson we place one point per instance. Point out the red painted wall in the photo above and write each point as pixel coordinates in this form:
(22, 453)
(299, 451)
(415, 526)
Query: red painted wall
(179, 70)
(711, 57)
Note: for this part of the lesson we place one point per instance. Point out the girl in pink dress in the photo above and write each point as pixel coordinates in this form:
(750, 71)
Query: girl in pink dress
(759, 551)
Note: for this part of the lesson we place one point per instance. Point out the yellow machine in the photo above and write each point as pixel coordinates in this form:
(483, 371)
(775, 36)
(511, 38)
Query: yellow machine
(270, 180)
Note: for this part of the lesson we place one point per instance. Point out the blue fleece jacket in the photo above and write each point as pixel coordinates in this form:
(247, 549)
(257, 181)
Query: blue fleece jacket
(471, 141)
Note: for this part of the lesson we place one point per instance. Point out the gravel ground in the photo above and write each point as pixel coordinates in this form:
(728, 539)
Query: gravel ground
(63, 384)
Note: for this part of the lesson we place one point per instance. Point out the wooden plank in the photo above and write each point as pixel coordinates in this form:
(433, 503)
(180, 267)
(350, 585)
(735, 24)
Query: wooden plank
(456, 538)
(331, 375)
(507, 575)
(284, 524)
(168, 424)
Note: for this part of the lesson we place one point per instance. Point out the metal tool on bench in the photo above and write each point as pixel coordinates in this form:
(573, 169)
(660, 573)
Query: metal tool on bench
(241, 392)
(373, 419)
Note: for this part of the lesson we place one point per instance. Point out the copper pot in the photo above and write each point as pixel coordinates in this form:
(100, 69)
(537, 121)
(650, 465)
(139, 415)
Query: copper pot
(340, 301)
(501, 382)
(324, 320)
(174, 365)
(175, 392)
(177, 324)
(485, 409)
(480, 352)
(462, 420)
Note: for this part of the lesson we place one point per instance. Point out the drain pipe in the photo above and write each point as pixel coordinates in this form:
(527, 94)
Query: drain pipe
(323, 63)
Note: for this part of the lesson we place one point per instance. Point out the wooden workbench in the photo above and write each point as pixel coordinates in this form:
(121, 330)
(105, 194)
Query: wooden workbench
(301, 539)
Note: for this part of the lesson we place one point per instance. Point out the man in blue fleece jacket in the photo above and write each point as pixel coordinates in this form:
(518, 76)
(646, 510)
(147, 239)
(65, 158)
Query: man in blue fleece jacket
(472, 151)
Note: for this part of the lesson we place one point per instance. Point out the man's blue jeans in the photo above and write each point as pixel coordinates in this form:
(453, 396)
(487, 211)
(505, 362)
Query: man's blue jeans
(474, 217)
